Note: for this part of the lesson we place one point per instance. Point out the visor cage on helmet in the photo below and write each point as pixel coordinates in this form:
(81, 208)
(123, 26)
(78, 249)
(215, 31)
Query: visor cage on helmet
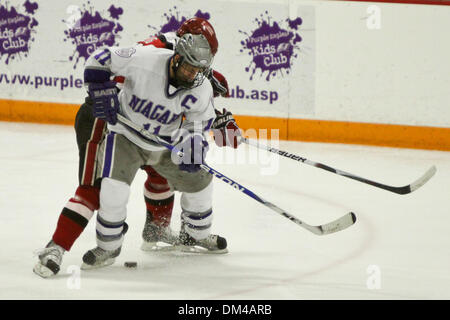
(194, 49)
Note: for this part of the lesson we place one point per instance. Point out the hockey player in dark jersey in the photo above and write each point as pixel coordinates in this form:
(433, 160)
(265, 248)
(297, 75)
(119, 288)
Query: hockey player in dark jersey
(159, 198)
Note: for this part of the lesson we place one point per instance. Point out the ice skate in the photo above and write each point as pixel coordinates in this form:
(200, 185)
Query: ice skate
(158, 238)
(50, 259)
(212, 244)
(99, 258)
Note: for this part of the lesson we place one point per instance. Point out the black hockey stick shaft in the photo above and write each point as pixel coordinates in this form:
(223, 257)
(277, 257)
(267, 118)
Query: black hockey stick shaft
(337, 225)
(399, 190)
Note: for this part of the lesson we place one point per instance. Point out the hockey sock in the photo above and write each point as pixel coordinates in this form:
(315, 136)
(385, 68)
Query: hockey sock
(75, 216)
(197, 224)
(159, 199)
(197, 213)
(111, 216)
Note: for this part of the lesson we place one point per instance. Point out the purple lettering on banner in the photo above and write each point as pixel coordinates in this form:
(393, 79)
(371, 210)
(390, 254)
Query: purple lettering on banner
(174, 21)
(271, 46)
(16, 30)
(93, 31)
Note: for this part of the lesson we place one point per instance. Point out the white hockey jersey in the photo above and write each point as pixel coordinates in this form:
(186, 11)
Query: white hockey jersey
(148, 99)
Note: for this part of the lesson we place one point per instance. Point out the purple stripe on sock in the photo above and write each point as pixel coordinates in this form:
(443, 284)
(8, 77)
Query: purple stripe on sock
(199, 227)
(107, 162)
(108, 238)
(196, 216)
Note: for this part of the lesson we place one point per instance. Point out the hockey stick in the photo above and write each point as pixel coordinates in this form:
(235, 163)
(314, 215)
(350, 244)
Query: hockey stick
(337, 225)
(400, 190)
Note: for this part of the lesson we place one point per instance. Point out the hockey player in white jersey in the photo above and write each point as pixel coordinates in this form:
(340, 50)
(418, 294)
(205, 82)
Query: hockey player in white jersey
(159, 199)
(161, 88)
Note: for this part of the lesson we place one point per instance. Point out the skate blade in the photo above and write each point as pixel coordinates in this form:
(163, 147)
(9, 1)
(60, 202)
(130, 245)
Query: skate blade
(157, 246)
(42, 270)
(202, 250)
(108, 262)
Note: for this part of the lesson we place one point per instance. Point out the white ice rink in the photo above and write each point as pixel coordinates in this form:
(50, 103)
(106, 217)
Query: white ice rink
(399, 247)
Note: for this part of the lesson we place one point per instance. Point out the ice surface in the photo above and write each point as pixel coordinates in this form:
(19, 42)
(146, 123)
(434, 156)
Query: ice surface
(405, 240)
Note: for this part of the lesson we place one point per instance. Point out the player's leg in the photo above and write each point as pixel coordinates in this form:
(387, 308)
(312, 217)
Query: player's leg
(196, 223)
(80, 208)
(119, 160)
(196, 204)
(76, 214)
(111, 225)
(159, 200)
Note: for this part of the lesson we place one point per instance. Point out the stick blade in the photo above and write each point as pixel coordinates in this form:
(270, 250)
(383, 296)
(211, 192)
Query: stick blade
(340, 224)
(422, 180)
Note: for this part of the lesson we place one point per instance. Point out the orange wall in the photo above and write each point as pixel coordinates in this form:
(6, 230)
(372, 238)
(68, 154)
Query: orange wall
(416, 137)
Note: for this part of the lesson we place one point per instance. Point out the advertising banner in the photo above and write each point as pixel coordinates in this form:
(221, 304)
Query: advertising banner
(267, 56)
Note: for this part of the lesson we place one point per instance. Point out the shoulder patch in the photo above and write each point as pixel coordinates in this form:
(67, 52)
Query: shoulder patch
(125, 52)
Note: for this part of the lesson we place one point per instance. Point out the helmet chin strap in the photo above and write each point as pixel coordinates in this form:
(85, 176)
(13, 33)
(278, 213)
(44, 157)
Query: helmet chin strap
(174, 65)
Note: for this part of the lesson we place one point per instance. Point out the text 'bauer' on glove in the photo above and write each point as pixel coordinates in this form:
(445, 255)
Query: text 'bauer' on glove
(194, 147)
(226, 131)
(105, 100)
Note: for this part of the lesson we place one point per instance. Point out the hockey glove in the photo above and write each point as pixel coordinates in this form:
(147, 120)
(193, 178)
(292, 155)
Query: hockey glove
(226, 131)
(105, 101)
(194, 148)
(219, 84)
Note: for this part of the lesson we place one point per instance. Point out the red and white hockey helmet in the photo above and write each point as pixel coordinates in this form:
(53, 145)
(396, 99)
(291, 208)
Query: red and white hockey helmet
(200, 26)
(196, 46)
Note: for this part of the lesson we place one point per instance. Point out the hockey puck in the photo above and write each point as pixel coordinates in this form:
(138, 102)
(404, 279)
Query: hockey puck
(130, 264)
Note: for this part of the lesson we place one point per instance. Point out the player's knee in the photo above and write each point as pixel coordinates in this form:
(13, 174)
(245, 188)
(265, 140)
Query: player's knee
(158, 195)
(114, 196)
(155, 180)
(88, 196)
(199, 201)
(195, 182)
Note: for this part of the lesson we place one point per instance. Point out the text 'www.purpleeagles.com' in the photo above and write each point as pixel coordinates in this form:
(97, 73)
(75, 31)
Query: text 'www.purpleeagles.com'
(38, 82)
